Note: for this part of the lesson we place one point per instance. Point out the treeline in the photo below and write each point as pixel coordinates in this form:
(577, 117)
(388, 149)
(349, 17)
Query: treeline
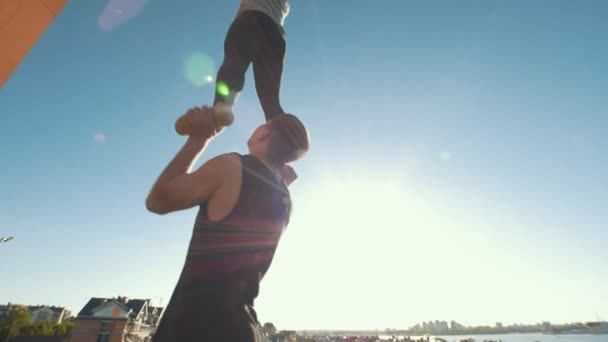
(19, 322)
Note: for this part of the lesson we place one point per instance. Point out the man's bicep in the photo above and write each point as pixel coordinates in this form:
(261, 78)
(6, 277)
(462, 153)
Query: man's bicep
(187, 191)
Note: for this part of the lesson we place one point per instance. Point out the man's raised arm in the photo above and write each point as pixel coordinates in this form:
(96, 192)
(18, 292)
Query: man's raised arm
(177, 188)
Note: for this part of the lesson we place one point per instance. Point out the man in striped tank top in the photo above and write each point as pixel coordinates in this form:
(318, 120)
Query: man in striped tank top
(255, 37)
(244, 206)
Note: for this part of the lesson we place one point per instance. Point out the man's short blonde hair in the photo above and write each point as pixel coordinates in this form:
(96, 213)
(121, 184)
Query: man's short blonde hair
(289, 138)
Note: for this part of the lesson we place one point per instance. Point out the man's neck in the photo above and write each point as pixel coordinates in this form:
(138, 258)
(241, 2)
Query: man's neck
(268, 162)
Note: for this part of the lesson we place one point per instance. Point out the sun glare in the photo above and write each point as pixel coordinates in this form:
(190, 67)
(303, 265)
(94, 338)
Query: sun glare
(384, 234)
(359, 224)
(364, 213)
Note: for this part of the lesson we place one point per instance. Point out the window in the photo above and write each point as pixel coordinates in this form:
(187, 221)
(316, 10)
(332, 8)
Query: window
(103, 336)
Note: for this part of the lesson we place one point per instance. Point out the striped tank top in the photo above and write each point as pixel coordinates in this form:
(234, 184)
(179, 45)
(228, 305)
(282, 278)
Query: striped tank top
(242, 245)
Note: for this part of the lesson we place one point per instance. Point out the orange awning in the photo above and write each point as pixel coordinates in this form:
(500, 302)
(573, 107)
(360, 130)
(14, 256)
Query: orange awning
(22, 23)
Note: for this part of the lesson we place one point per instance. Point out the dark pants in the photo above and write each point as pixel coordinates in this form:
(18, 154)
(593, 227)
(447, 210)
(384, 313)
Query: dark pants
(253, 38)
(208, 311)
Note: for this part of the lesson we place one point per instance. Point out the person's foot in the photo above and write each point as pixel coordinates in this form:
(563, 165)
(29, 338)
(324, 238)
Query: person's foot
(223, 117)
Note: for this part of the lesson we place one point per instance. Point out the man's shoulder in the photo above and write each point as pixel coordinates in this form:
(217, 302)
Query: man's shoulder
(226, 161)
(220, 165)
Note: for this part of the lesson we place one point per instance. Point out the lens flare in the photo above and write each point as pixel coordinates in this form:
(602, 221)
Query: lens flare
(199, 68)
(117, 12)
(445, 156)
(222, 88)
(99, 138)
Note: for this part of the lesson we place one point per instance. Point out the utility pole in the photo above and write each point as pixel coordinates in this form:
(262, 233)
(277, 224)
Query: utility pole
(6, 239)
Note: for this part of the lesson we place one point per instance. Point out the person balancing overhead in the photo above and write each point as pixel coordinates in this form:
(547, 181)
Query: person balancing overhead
(244, 207)
(255, 37)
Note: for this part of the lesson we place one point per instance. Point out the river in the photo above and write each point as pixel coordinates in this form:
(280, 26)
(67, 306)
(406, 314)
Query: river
(529, 338)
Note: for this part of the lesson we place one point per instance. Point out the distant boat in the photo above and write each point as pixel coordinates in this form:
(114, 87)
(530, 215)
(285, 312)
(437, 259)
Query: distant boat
(597, 327)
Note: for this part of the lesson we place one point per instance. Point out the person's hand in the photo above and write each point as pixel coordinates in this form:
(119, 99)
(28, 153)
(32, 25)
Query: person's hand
(200, 122)
(288, 174)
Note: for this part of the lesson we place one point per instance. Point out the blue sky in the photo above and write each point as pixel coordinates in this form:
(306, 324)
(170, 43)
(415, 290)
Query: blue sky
(458, 151)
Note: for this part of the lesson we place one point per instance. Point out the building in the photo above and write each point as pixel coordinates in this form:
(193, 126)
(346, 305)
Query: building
(456, 326)
(6, 309)
(115, 320)
(597, 327)
(284, 336)
(22, 23)
(440, 327)
(50, 314)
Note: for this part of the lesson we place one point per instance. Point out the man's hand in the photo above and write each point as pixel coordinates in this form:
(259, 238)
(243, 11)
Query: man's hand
(288, 174)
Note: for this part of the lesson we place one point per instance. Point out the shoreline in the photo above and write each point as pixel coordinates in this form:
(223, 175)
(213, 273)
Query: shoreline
(384, 333)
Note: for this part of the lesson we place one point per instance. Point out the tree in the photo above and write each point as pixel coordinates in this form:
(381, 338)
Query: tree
(43, 328)
(269, 329)
(17, 320)
(62, 329)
